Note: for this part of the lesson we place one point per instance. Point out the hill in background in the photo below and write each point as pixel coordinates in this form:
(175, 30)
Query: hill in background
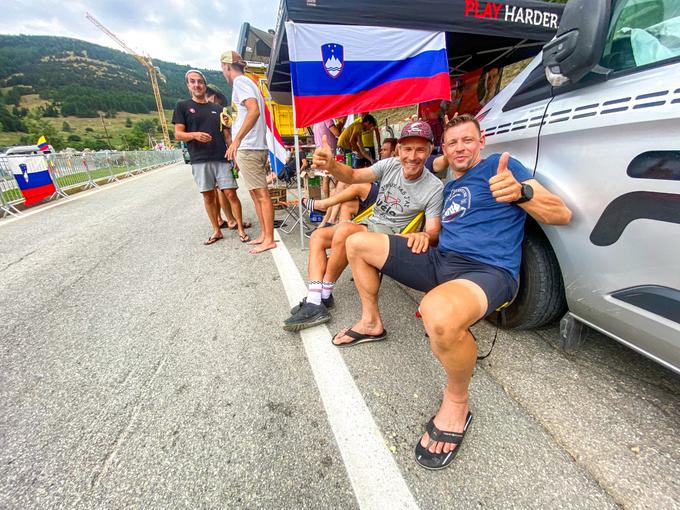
(46, 80)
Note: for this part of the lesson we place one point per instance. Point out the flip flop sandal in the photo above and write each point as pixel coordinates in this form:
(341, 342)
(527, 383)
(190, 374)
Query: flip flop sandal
(224, 224)
(245, 225)
(244, 238)
(436, 461)
(359, 338)
(212, 240)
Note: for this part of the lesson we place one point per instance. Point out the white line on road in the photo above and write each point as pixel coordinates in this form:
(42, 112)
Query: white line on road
(375, 477)
(79, 195)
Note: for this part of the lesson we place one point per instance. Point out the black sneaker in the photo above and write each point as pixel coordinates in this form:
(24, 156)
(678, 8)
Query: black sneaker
(328, 303)
(307, 316)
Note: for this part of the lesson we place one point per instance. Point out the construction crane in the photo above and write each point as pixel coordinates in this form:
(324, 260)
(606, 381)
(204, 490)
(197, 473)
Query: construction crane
(154, 75)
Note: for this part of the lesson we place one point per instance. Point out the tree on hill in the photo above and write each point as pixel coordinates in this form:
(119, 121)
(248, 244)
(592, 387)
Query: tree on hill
(113, 80)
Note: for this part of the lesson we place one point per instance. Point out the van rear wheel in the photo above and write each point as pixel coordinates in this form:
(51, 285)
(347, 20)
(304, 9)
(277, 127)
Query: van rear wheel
(541, 299)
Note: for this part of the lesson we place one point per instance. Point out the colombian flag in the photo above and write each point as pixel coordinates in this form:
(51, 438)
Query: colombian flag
(42, 144)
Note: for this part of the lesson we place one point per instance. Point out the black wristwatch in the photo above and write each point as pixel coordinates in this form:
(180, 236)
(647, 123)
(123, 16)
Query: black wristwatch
(527, 194)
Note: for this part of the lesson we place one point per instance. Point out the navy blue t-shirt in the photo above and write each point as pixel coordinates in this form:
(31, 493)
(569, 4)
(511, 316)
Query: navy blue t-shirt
(475, 225)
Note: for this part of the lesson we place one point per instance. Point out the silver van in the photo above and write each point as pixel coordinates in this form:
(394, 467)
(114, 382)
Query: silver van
(597, 116)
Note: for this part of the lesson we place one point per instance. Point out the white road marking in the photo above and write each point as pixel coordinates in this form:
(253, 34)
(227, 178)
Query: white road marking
(373, 473)
(78, 196)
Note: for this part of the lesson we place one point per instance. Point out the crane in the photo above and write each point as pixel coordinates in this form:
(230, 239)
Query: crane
(154, 74)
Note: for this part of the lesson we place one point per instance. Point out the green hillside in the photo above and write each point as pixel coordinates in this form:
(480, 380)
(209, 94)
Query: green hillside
(45, 81)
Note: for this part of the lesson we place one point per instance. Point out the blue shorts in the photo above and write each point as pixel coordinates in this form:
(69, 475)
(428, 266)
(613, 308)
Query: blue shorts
(370, 198)
(425, 271)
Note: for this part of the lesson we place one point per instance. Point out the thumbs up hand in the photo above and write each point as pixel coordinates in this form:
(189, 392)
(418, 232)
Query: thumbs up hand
(323, 156)
(504, 187)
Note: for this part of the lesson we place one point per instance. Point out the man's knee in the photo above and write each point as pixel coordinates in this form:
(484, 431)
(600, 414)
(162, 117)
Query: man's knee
(230, 194)
(443, 318)
(321, 237)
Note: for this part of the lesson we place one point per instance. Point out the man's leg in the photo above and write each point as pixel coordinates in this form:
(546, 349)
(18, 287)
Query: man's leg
(320, 240)
(349, 193)
(231, 198)
(313, 310)
(261, 195)
(209, 202)
(448, 312)
(337, 262)
(226, 209)
(258, 213)
(367, 253)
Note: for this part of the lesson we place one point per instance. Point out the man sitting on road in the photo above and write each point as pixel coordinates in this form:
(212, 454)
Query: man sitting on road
(354, 199)
(405, 190)
(473, 271)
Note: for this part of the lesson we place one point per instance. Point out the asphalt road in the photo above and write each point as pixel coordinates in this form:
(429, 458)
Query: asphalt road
(141, 369)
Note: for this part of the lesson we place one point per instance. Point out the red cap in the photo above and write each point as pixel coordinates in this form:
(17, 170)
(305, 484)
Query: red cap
(419, 129)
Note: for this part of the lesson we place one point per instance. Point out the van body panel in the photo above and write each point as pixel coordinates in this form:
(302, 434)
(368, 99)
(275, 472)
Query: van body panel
(588, 138)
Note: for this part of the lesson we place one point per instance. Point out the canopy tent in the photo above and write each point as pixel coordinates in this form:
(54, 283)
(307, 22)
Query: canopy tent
(478, 33)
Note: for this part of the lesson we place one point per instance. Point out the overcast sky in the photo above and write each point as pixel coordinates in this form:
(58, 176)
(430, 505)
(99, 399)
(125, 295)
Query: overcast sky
(193, 33)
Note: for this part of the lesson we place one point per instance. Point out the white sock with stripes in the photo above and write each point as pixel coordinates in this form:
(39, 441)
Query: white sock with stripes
(314, 293)
(327, 289)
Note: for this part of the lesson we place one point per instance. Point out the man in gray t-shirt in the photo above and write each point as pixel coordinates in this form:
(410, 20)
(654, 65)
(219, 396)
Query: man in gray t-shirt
(401, 199)
(406, 189)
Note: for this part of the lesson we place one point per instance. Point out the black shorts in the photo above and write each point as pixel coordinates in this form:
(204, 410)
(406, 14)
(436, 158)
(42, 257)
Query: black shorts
(425, 271)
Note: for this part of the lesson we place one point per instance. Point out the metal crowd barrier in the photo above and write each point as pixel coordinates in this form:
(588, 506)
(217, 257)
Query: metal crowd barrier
(81, 170)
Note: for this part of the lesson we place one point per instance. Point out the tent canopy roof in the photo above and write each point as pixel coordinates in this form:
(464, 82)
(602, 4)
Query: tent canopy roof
(477, 33)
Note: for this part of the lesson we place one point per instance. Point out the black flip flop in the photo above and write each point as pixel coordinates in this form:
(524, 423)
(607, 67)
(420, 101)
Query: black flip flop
(436, 461)
(212, 240)
(359, 338)
(244, 238)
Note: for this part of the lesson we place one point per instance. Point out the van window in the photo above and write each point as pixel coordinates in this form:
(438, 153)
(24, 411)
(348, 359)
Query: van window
(642, 32)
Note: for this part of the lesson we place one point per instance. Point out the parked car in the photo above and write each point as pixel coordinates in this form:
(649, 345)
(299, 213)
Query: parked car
(21, 150)
(597, 116)
(185, 152)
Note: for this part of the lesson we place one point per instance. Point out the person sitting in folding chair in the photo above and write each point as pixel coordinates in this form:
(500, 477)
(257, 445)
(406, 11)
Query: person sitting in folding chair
(406, 190)
(472, 272)
(353, 200)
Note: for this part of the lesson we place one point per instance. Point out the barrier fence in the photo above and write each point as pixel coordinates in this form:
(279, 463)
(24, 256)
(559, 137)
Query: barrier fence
(79, 170)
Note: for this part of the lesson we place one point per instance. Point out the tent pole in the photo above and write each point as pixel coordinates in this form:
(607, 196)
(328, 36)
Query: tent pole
(297, 166)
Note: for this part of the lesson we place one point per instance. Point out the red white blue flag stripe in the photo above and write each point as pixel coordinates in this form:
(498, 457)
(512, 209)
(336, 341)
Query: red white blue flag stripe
(341, 69)
(277, 151)
(33, 178)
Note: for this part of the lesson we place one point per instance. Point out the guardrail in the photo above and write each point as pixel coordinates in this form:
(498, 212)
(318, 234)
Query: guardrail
(80, 170)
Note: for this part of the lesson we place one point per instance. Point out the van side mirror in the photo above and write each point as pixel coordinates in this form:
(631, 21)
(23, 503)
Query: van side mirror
(579, 42)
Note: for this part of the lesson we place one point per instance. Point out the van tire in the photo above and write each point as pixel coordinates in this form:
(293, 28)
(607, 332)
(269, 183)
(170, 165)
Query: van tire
(541, 299)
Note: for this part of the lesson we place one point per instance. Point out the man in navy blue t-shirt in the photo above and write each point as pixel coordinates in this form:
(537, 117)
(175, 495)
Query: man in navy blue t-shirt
(472, 271)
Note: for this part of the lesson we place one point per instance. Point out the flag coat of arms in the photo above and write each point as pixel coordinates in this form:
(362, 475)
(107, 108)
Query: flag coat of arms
(33, 178)
(341, 69)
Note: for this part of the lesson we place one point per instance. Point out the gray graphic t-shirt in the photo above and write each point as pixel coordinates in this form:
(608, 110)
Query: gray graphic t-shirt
(400, 200)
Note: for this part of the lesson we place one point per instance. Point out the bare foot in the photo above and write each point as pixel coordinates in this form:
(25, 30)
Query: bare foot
(361, 327)
(451, 418)
(262, 247)
(257, 240)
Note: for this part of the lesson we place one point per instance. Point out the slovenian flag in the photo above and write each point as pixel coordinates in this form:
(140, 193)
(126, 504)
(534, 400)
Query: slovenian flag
(33, 178)
(42, 144)
(341, 69)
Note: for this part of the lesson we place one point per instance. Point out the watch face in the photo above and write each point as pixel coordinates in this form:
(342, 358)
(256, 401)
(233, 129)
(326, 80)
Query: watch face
(527, 192)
